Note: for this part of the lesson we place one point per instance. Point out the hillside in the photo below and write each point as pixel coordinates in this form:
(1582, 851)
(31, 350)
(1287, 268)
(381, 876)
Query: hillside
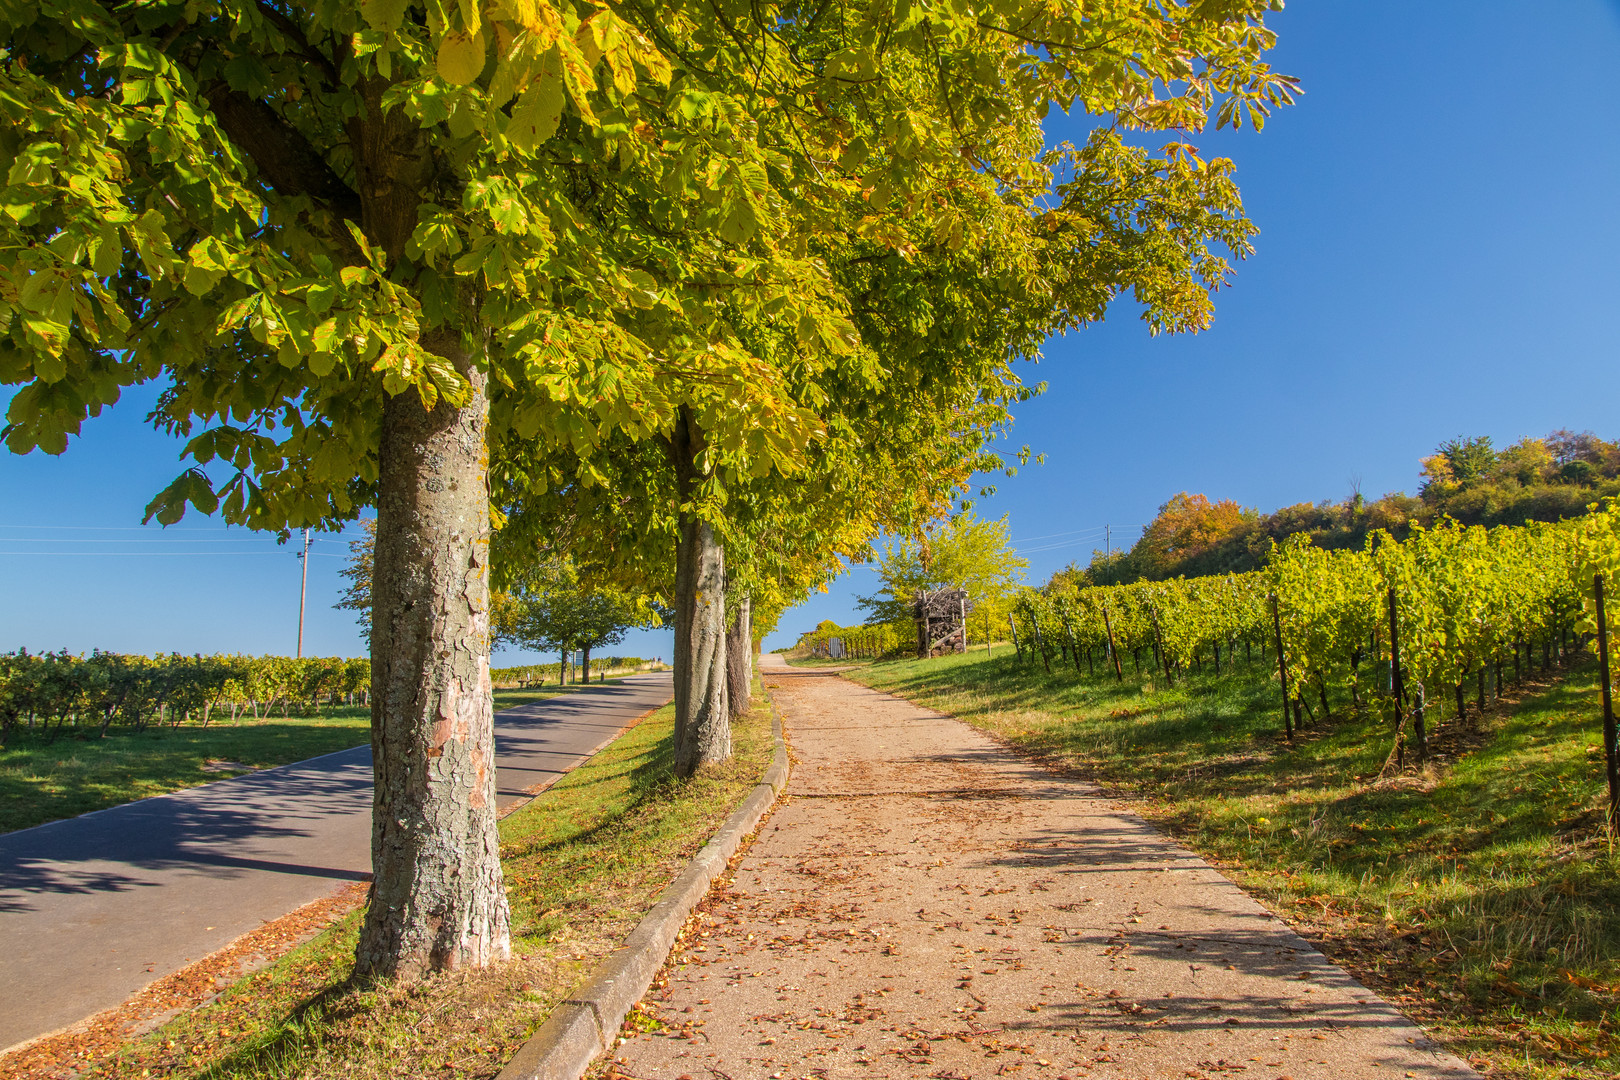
(1466, 479)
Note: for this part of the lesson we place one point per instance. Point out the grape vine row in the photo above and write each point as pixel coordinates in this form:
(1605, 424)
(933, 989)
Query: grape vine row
(1463, 603)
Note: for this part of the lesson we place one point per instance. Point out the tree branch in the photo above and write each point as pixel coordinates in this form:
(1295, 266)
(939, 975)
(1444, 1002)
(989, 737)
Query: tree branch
(283, 156)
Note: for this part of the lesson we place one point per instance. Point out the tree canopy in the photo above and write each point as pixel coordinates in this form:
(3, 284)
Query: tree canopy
(413, 254)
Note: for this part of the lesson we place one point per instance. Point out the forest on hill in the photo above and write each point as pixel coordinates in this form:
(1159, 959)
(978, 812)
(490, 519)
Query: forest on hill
(1466, 480)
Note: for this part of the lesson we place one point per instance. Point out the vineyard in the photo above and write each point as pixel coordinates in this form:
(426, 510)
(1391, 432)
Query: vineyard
(866, 642)
(48, 692)
(1410, 627)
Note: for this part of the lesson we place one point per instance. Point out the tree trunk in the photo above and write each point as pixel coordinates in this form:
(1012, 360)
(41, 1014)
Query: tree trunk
(739, 657)
(585, 664)
(437, 899)
(702, 718)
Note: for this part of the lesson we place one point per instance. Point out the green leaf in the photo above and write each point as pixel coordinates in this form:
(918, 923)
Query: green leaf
(50, 368)
(109, 254)
(464, 120)
(387, 15)
(320, 297)
(200, 280)
(739, 222)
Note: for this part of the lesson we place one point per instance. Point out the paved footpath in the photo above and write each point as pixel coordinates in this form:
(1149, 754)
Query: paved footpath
(95, 907)
(925, 903)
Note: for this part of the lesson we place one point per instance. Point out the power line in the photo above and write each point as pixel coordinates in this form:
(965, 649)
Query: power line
(164, 531)
(138, 540)
(1085, 536)
(1050, 536)
(160, 554)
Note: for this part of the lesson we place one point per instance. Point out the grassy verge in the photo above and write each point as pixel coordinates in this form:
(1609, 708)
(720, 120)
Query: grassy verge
(1477, 892)
(584, 861)
(44, 778)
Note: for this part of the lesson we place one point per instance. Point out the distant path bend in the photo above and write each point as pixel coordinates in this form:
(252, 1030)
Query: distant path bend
(927, 903)
(95, 907)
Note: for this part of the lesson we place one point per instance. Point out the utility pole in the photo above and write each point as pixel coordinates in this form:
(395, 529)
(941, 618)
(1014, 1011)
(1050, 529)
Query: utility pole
(1108, 542)
(303, 591)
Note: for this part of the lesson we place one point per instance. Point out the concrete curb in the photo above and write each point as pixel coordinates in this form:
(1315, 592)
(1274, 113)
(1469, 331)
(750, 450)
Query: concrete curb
(585, 1024)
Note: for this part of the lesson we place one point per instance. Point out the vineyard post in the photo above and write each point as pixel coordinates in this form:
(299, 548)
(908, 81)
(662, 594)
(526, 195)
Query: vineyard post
(1013, 623)
(962, 601)
(1397, 686)
(1611, 745)
(1040, 642)
(1074, 646)
(1282, 666)
(1113, 653)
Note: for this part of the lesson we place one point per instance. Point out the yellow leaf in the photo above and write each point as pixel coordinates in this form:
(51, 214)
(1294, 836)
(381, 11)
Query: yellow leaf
(537, 112)
(461, 57)
(536, 16)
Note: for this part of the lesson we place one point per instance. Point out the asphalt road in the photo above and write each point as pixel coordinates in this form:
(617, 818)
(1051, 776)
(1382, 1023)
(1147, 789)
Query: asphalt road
(95, 907)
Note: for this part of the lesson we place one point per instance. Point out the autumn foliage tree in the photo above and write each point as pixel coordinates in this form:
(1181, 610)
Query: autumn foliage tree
(1185, 526)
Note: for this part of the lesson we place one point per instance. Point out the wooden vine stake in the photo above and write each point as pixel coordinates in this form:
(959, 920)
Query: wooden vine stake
(1074, 646)
(1112, 652)
(1282, 666)
(1040, 642)
(1611, 746)
(1397, 690)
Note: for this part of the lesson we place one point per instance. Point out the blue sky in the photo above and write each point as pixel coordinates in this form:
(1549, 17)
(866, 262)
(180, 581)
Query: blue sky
(1438, 223)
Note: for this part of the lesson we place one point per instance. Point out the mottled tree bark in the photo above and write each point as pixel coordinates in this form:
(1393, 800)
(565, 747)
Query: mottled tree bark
(437, 899)
(740, 659)
(702, 719)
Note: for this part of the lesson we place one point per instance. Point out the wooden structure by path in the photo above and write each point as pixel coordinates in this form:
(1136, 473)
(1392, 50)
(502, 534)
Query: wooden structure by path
(941, 618)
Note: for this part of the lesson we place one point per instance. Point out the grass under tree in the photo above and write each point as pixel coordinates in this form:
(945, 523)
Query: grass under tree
(1479, 891)
(584, 862)
(46, 777)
